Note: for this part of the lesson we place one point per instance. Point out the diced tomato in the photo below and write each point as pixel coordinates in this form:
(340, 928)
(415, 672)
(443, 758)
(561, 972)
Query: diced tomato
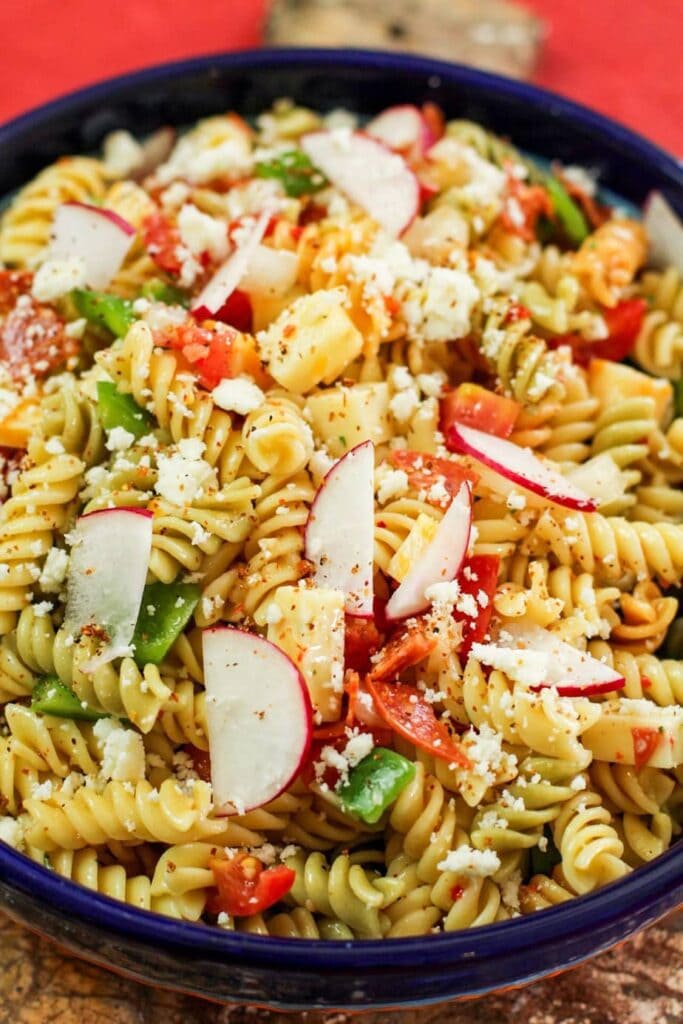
(475, 406)
(361, 639)
(434, 119)
(244, 887)
(236, 311)
(337, 737)
(457, 892)
(407, 712)
(404, 650)
(646, 682)
(330, 732)
(214, 352)
(478, 577)
(645, 742)
(201, 761)
(424, 470)
(162, 240)
(532, 200)
(624, 322)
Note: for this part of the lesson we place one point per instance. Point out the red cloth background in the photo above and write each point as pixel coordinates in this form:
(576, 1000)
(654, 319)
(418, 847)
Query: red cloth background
(619, 56)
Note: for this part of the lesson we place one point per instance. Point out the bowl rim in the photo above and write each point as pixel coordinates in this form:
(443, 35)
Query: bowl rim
(660, 879)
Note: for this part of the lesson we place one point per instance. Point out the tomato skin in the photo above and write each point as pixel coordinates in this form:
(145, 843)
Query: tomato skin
(403, 651)
(485, 568)
(244, 887)
(214, 352)
(434, 118)
(475, 406)
(201, 761)
(533, 201)
(361, 640)
(624, 322)
(407, 712)
(423, 470)
(645, 742)
(236, 311)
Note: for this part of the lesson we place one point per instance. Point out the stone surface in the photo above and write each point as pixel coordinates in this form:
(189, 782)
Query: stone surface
(641, 982)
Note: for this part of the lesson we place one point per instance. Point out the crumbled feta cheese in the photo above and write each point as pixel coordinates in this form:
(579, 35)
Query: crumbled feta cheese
(119, 439)
(515, 501)
(273, 614)
(121, 750)
(183, 474)
(446, 593)
(238, 394)
(198, 535)
(470, 862)
(10, 832)
(54, 571)
(520, 665)
(54, 446)
(42, 608)
(57, 277)
(578, 783)
(404, 404)
(201, 233)
(393, 485)
(42, 791)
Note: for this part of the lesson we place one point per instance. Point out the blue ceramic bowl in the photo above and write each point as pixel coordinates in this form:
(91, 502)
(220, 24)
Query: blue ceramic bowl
(300, 974)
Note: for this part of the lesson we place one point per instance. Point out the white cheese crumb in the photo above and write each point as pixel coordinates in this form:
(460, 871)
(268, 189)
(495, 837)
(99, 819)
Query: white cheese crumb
(54, 446)
(523, 666)
(472, 863)
(201, 233)
(10, 832)
(121, 750)
(238, 394)
(393, 485)
(119, 439)
(57, 277)
(183, 473)
(54, 571)
(515, 501)
(42, 608)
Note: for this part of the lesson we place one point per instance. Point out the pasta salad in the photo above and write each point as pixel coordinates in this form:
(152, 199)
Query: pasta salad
(342, 527)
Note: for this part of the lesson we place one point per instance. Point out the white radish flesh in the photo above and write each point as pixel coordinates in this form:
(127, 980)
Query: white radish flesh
(340, 531)
(440, 563)
(230, 273)
(106, 580)
(98, 237)
(370, 174)
(665, 233)
(258, 715)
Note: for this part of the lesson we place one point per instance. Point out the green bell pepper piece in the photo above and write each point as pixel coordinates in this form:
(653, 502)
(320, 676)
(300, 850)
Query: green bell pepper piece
(162, 291)
(118, 410)
(542, 862)
(294, 171)
(164, 613)
(375, 783)
(678, 397)
(568, 213)
(108, 311)
(51, 697)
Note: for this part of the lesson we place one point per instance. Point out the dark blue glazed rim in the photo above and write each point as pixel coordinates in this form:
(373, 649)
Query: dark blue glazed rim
(300, 974)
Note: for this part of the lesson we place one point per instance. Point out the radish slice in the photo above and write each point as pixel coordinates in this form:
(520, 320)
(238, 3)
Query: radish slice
(98, 237)
(258, 715)
(231, 272)
(270, 272)
(377, 179)
(665, 233)
(401, 128)
(600, 478)
(440, 563)
(340, 530)
(574, 673)
(519, 465)
(107, 573)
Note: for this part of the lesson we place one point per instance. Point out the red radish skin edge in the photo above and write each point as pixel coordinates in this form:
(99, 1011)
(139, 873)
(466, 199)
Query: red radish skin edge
(146, 512)
(119, 221)
(423, 137)
(575, 690)
(308, 715)
(585, 504)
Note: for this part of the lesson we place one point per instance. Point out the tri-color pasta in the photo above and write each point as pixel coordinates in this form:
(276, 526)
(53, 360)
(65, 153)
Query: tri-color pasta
(509, 302)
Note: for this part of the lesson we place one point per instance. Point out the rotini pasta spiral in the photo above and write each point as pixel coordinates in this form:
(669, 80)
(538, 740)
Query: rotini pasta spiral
(277, 440)
(590, 846)
(340, 890)
(25, 227)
